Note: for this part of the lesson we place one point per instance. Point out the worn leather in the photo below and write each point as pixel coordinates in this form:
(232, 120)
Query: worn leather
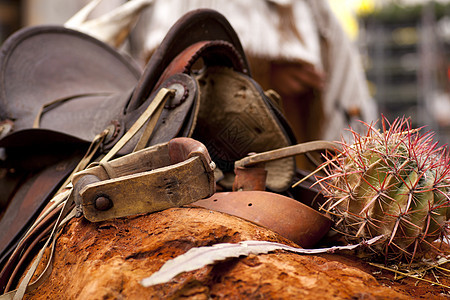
(195, 26)
(92, 92)
(236, 118)
(286, 216)
(27, 202)
(156, 178)
(95, 91)
(45, 63)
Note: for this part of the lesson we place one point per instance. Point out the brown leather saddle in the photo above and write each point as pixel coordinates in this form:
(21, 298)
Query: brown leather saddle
(60, 88)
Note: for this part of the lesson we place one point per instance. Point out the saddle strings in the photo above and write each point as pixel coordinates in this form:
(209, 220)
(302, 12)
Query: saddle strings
(160, 98)
(54, 103)
(151, 114)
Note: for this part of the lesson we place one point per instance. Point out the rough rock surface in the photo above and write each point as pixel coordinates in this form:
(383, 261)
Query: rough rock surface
(107, 260)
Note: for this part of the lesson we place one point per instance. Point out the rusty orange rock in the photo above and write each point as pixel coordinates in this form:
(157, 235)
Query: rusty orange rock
(107, 260)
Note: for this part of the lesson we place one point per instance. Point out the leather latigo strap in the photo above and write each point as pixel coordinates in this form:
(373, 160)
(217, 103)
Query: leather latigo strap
(285, 216)
(166, 175)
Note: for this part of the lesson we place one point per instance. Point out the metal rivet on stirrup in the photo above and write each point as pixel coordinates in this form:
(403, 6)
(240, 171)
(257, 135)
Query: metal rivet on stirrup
(103, 203)
(162, 176)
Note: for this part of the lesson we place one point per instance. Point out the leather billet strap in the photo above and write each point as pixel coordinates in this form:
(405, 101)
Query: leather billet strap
(156, 178)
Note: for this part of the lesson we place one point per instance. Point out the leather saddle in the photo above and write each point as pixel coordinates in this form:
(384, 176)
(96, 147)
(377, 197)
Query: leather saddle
(60, 88)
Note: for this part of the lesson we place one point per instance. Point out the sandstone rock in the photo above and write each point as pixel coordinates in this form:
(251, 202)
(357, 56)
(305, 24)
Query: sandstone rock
(107, 260)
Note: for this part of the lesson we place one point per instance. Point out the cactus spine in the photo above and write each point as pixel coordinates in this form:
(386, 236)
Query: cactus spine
(393, 183)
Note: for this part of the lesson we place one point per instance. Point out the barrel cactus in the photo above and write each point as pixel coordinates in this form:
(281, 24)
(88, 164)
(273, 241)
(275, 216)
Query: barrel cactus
(392, 182)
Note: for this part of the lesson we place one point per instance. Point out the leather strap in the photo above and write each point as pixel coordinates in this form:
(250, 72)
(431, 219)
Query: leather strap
(286, 216)
(160, 98)
(145, 136)
(66, 214)
(26, 245)
(250, 170)
(264, 157)
(28, 201)
(21, 253)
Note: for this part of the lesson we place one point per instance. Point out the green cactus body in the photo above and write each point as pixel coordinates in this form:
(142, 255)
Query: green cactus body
(393, 183)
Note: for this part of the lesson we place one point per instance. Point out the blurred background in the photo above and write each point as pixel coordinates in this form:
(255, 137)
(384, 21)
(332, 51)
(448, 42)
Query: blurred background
(405, 48)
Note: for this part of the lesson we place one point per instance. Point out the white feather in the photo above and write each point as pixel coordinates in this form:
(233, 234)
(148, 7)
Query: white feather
(197, 258)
